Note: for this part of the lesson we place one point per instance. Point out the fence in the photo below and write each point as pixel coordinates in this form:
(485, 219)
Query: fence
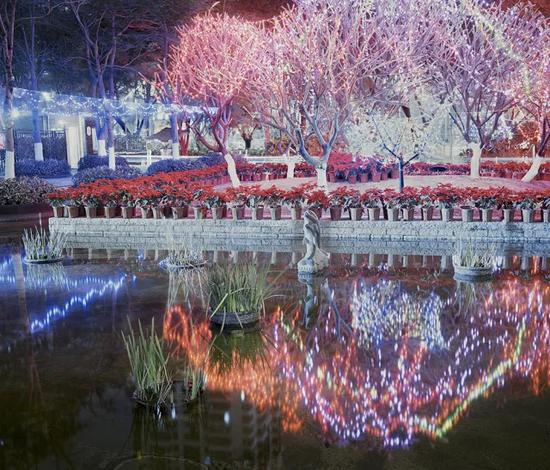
(54, 144)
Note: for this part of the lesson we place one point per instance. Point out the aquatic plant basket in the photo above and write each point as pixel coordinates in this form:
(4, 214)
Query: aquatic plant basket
(231, 321)
(181, 267)
(42, 261)
(465, 273)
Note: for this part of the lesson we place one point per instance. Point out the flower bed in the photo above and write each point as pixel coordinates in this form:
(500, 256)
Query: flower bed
(174, 194)
(24, 191)
(344, 168)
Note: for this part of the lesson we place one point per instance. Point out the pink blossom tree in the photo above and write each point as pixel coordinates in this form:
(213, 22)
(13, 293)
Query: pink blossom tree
(489, 46)
(213, 63)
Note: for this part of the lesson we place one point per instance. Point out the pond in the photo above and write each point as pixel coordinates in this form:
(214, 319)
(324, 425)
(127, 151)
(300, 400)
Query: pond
(383, 362)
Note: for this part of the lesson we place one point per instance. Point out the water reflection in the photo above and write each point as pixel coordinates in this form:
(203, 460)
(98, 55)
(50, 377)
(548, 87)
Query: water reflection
(395, 363)
(376, 352)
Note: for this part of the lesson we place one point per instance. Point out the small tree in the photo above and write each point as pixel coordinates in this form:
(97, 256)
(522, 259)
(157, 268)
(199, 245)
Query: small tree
(212, 63)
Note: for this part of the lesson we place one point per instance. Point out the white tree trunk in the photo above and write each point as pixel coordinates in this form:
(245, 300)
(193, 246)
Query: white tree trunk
(112, 158)
(534, 170)
(321, 177)
(9, 171)
(101, 148)
(232, 170)
(38, 152)
(175, 149)
(476, 160)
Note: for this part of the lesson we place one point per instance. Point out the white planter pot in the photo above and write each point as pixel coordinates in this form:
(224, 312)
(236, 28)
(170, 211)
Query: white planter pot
(508, 215)
(446, 214)
(486, 215)
(393, 214)
(467, 214)
(356, 213)
(528, 215)
(374, 213)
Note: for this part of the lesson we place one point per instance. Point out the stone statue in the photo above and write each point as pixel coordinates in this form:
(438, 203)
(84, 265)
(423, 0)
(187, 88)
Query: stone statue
(315, 259)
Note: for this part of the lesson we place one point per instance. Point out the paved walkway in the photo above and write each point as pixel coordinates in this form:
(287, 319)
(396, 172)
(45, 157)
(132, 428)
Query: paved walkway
(415, 181)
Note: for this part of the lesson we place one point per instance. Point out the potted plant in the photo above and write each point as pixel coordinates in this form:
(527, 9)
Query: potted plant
(391, 203)
(72, 203)
(337, 200)
(427, 204)
(90, 203)
(446, 198)
(317, 201)
(508, 202)
(215, 201)
(255, 201)
(57, 200)
(527, 205)
(407, 200)
(109, 200)
(353, 204)
(197, 204)
(146, 199)
(273, 198)
(371, 200)
(179, 200)
(126, 204)
(486, 201)
(237, 199)
(294, 198)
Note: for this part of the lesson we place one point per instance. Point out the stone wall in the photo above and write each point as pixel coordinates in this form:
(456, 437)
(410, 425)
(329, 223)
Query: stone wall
(134, 233)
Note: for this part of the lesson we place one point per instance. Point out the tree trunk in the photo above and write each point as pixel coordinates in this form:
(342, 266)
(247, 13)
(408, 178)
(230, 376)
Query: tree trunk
(321, 171)
(174, 135)
(110, 141)
(36, 136)
(36, 125)
(534, 169)
(232, 169)
(476, 160)
(9, 171)
(401, 175)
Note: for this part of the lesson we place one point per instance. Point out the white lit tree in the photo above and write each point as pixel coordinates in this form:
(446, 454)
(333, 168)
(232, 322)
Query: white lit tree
(489, 45)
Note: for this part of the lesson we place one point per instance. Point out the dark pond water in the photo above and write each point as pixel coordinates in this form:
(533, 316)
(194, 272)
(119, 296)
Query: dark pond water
(384, 363)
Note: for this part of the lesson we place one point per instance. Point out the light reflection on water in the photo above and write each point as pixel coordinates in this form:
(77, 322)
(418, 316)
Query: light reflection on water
(383, 350)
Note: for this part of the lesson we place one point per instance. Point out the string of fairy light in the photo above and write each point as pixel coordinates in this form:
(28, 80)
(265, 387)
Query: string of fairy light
(28, 101)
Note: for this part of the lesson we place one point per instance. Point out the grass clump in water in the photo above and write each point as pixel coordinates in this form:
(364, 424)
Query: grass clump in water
(149, 366)
(241, 288)
(469, 257)
(42, 246)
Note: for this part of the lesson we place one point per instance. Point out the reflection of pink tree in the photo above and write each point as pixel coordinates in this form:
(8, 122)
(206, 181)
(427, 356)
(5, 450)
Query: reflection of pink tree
(490, 47)
(212, 62)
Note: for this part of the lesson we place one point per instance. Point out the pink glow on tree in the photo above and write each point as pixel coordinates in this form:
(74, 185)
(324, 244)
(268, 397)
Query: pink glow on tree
(212, 63)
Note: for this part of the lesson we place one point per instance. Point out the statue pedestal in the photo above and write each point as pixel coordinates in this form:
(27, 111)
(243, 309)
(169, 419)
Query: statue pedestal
(313, 265)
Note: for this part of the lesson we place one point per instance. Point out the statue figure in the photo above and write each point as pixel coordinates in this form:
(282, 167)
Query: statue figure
(315, 259)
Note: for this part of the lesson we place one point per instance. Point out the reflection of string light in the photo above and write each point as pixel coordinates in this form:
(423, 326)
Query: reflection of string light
(397, 388)
(76, 301)
(384, 310)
